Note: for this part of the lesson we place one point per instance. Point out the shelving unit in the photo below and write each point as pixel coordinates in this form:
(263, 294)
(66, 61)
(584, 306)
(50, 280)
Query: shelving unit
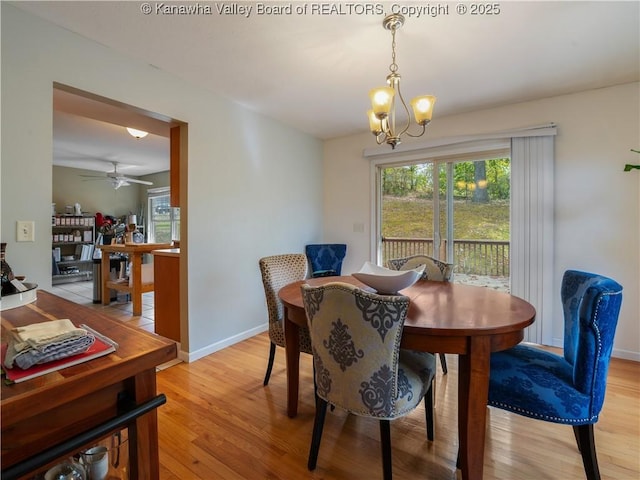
(72, 241)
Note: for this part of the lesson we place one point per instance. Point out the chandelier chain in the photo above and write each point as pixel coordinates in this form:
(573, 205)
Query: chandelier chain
(394, 66)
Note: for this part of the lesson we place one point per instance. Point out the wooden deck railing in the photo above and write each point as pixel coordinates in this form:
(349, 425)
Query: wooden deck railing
(479, 257)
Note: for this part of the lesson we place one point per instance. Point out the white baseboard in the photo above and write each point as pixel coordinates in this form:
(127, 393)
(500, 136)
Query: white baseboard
(616, 353)
(227, 342)
(626, 355)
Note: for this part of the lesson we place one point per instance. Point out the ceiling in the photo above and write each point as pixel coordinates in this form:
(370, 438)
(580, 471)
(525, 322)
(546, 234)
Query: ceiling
(91, 134)
(313, 71)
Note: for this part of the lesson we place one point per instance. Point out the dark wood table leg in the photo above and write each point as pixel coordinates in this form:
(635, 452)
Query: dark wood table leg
(473, 393)
(144, 458)
(136, 282)
(292, 341)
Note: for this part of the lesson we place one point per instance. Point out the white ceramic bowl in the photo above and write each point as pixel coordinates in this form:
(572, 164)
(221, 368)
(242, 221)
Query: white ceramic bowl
(19, 299)
(387, 281)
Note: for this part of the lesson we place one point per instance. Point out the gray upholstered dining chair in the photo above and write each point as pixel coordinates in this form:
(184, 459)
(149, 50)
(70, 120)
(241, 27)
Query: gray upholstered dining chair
(434, 270)
(278, 271)
(358, 363)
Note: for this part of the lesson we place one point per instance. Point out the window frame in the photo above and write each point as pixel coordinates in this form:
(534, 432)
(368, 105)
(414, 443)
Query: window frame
(174, 214)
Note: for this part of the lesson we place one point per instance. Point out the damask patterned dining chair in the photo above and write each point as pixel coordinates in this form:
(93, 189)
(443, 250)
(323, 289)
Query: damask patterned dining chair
(358, 363)
(278, 271)
(326, 258)
(434, 270)
(568, 388)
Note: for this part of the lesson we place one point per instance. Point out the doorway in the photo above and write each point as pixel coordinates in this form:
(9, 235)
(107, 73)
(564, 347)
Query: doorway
(95, 118)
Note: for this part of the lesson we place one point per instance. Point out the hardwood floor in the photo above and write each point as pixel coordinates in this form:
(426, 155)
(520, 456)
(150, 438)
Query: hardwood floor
(221, 423)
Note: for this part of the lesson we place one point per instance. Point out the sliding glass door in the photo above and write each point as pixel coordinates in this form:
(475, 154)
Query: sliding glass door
(455, 210)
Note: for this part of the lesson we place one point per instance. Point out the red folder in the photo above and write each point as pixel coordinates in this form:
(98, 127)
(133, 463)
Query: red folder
(102, 346)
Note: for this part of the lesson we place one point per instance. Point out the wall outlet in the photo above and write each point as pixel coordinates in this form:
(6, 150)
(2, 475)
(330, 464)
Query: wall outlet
(25, 231)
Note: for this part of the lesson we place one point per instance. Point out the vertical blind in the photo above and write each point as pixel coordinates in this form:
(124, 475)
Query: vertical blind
(532, 209)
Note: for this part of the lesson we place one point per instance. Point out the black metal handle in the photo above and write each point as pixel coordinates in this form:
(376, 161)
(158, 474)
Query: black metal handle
(125, 418)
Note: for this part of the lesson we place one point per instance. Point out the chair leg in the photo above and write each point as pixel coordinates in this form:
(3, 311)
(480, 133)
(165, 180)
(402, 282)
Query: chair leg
(428, 410)
(318, 424)
(587, 446)
(385, 444)
(315, 385)
(443, 363)
(272, 355)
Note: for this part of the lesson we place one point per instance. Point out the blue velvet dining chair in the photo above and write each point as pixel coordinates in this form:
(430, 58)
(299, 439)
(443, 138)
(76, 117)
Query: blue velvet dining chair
(569, 388)
(326, 258)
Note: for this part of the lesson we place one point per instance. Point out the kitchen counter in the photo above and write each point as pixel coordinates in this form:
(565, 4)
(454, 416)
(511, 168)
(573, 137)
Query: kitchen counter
(137, 287)
(166, 272)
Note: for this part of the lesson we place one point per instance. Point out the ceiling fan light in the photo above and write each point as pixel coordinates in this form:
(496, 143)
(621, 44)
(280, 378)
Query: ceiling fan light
(137, 133)
(423, 108)
(118, 182)
(381, 101)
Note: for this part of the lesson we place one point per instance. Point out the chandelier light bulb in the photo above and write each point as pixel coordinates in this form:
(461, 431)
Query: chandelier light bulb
(423, 108)
(375, 124)
(381, 101)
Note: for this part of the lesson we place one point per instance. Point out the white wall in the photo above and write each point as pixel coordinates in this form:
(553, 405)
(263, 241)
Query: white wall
(597, 212)
(243, 172)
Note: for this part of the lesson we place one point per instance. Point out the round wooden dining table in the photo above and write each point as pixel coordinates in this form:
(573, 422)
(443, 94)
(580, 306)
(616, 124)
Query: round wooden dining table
(443, 317)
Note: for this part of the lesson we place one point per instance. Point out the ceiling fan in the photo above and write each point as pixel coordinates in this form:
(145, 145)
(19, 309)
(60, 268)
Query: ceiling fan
(117, 180)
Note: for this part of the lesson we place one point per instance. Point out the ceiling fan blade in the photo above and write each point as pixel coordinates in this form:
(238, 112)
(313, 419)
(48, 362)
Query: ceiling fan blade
(133, 180)
(116, 179)
(94, 179)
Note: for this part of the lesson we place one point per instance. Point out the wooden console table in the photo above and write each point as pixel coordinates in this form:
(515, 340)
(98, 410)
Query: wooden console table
(39, 414)
(137, 288)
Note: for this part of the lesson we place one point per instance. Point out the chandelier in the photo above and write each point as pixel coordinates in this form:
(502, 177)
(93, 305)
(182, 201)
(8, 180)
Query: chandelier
(382, 116)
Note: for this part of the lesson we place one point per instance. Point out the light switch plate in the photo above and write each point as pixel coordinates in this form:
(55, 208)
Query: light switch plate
(25, 231)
